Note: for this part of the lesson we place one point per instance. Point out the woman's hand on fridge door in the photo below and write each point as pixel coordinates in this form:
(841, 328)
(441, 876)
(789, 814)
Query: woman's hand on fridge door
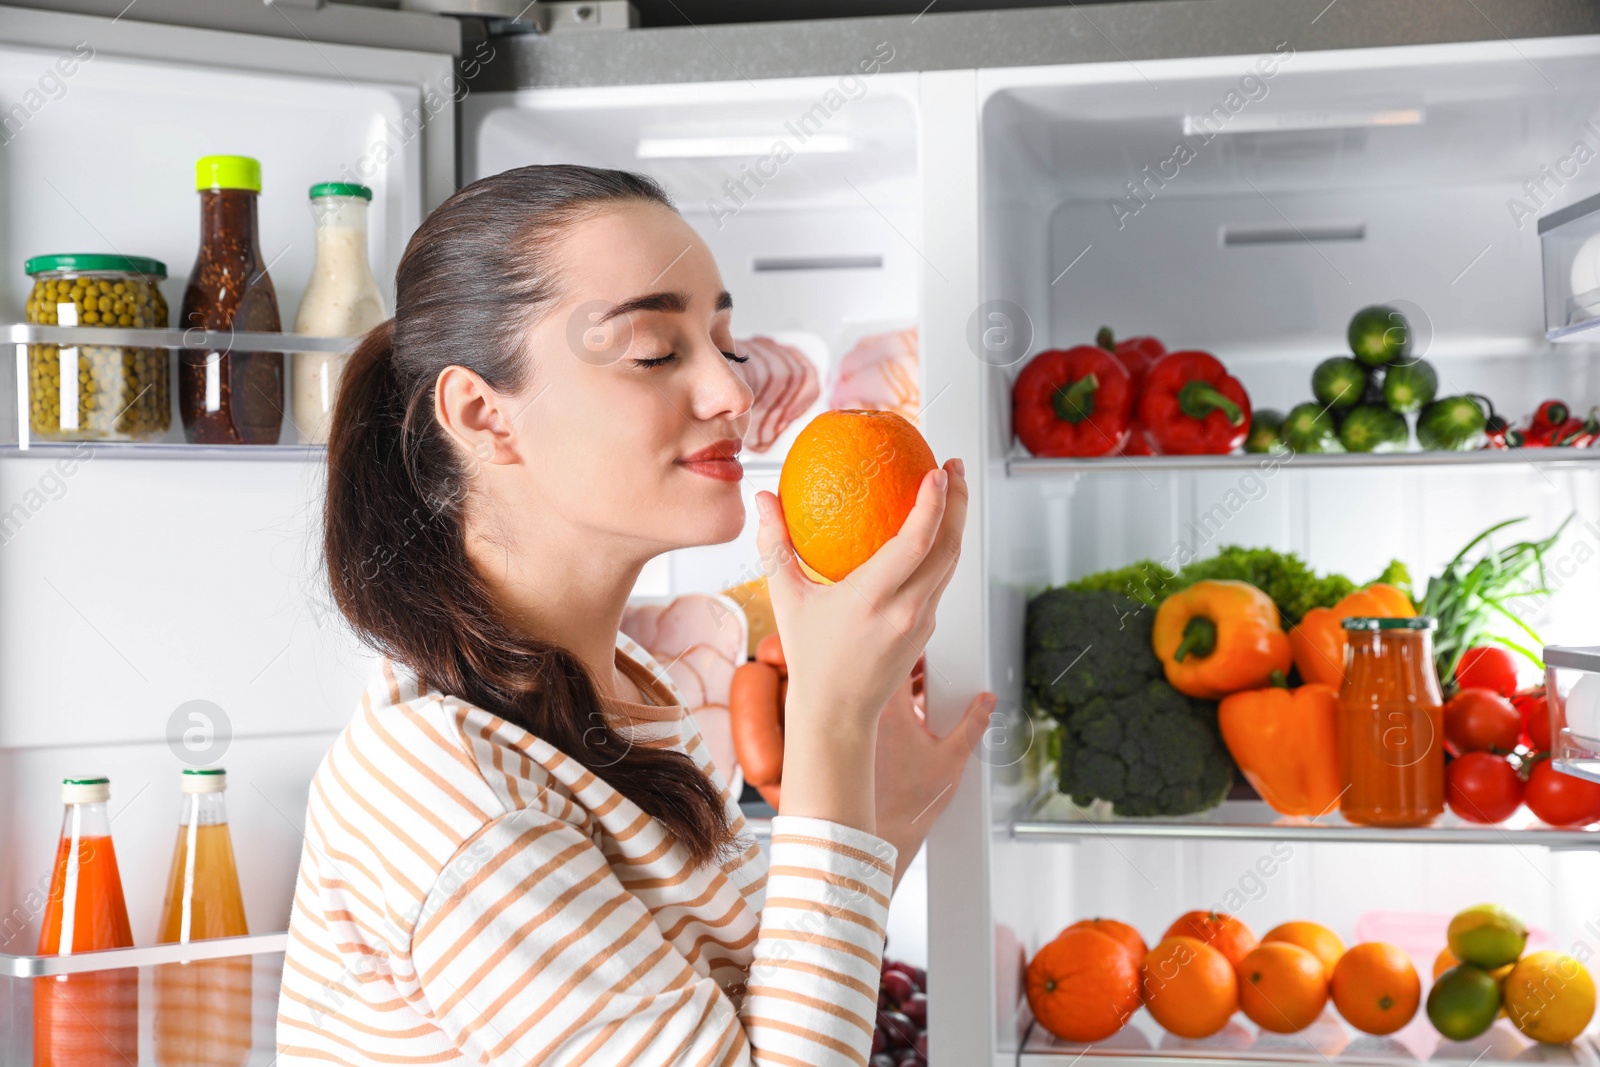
(849, 645)
(918, 771)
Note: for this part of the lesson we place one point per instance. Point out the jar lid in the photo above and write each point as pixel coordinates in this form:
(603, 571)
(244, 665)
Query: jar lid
(204, 780)
(227, 172)
(85, 790)
(94, 262)
(322, 189)
(1363, 622)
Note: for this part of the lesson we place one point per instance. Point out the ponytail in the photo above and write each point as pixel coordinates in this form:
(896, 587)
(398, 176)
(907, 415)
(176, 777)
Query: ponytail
(393, 523)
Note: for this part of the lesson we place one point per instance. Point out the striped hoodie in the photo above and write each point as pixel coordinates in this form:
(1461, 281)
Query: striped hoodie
(469, 894)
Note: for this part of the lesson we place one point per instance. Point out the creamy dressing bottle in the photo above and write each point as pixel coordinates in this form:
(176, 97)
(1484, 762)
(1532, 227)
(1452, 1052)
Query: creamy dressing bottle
(341, 300)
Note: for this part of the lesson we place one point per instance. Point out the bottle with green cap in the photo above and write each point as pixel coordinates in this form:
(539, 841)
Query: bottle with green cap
(93, 1017)
(203, 1007)
(227, 395)
(341, 300)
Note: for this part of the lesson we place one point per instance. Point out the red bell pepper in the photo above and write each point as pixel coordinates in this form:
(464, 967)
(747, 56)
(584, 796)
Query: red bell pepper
(1192, 406)
(1072, 402)
(1137, 354)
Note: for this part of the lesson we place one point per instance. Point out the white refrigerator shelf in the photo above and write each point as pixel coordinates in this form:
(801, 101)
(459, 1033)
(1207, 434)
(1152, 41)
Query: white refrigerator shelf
(1328, 1041)
(1024, 466)
(1054, 817)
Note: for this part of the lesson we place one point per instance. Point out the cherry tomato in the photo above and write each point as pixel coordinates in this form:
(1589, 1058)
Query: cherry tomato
(1487, 667)
(1562, 799)
(1482, 787)
(1477, 720)
(1535, 709)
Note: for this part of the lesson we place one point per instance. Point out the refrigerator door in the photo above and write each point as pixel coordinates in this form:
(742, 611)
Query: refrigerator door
(163, 608)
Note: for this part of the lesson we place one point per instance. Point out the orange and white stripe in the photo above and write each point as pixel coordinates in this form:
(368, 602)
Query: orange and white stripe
(467, 893)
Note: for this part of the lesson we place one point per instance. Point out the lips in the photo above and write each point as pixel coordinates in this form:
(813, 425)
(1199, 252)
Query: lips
(719, 460)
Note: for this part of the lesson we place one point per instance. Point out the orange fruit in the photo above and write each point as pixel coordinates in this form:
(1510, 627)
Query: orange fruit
(1320, 941)
(1282, 987)
(1083, 986)
(1120, 932)
(1189, 987)
(848, 483)
(1375, 988)
(1221, 931)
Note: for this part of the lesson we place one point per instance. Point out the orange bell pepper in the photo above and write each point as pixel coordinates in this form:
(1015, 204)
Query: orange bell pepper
(1318, 641)
(1286, 743)
(1218, 637)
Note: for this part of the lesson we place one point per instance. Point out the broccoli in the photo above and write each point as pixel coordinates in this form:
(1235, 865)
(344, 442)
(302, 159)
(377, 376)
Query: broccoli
(1151, 752)
(1080, 646)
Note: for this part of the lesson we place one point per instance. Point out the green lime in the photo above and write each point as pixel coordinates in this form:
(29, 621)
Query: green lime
(1487, 935)
(1463, 1002)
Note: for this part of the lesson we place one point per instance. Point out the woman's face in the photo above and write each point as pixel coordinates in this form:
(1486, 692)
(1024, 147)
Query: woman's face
(631, 391)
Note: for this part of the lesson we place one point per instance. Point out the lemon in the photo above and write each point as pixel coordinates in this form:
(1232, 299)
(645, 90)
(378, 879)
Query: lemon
(1487, 935)
(1550, 997)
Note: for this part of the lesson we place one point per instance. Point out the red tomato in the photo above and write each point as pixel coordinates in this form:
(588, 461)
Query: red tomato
(1487, 667)
(1562, 799)
(1482, 787)
(1477, 720)
(1535, 709)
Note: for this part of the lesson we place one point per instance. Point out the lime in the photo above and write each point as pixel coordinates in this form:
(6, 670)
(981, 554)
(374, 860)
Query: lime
(1463, 1002)
(1487, 935)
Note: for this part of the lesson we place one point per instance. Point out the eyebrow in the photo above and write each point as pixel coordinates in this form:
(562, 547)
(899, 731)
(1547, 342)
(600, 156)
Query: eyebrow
(674, 301)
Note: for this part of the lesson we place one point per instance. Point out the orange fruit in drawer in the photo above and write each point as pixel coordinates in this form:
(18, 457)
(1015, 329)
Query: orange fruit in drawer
(1376, 988)
(1218, 929)
(1083, 986)
(847, 484)
(1282, 987)
(1320, 941)
(1119, 932)
(1189, 987)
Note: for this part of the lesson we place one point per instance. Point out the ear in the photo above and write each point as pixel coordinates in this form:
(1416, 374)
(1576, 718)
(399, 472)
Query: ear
(473, 414)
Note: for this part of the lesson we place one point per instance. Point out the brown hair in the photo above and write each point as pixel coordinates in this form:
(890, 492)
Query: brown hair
(475, 275)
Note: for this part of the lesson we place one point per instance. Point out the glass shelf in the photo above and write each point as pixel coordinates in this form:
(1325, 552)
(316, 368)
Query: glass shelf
(1055, 818)
(1024, 466)
(1328, 1042)
(22, 333)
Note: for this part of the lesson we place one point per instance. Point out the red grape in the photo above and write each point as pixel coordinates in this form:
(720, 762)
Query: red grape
(916, 1008)
(898, 985)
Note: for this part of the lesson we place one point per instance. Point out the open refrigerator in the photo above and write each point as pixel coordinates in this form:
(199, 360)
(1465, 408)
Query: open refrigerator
(957, 202)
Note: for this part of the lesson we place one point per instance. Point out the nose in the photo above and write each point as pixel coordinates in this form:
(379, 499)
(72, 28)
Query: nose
(720, 391)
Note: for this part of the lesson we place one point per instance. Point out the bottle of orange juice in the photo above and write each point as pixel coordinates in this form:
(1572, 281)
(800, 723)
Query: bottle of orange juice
(203, 1006)
(89, 1019)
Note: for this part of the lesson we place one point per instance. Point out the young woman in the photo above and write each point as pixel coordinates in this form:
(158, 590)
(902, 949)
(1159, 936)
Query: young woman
(519, 852)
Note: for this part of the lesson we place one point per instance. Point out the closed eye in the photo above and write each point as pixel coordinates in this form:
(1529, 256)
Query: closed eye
(658, 361)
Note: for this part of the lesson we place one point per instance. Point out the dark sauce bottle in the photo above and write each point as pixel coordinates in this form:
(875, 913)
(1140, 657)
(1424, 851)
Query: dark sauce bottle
(227, 396)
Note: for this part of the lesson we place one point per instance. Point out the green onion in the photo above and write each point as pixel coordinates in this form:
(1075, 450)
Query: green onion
(1468, 597)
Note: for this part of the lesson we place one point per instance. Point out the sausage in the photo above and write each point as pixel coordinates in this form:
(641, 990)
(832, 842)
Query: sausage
(770, 651)
(753, 719)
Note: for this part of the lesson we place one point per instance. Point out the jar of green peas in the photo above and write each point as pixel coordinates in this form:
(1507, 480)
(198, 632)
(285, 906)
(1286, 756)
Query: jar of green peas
(98, 392)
